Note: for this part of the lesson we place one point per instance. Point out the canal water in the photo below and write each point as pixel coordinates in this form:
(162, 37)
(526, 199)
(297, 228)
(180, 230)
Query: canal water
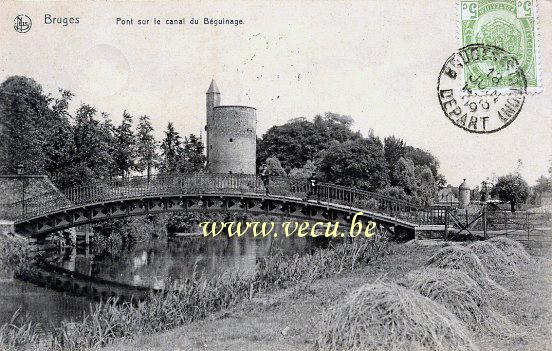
(152, 264)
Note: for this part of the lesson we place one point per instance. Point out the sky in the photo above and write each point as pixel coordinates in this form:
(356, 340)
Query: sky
(377, 61)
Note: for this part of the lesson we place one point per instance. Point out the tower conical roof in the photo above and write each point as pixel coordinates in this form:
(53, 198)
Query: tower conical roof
(464, 185)
(213, 88)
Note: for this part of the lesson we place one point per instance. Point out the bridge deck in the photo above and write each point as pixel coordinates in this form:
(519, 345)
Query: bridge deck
(104, 196)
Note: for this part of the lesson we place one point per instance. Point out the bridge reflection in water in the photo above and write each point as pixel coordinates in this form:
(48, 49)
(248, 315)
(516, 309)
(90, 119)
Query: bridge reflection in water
(285, 197)
(135, 271)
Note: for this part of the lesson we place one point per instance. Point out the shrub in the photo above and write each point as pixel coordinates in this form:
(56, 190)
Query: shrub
(14, 254)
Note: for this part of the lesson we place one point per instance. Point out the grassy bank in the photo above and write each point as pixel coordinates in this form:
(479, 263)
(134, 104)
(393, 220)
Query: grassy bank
(293, 318)
(192, 299)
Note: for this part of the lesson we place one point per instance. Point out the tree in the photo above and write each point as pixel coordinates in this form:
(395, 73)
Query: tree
(511, 188)
(274, 167)
(393, 149)
(146, 147)
(171, 150)
(192, 159)
(125, 150)
(91, 153)
(405, 176)
(300, 140)
(305, 172)
(109, 139)
(422, 158)
(395, 192)
(542, 186)
(24, 116)
(360, 163)
(426, 189)
(59, 142)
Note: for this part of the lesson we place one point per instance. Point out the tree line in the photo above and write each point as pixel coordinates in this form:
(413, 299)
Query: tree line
(328, 148)
(38, 132)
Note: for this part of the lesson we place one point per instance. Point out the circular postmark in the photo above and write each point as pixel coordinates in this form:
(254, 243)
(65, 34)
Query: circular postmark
(481, 88)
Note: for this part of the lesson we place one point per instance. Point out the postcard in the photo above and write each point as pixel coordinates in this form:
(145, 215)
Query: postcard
(276, 175)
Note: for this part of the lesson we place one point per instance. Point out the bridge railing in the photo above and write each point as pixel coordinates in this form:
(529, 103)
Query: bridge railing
(160, 185)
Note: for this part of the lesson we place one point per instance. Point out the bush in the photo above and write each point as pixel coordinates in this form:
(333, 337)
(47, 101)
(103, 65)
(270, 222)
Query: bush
(14, 255)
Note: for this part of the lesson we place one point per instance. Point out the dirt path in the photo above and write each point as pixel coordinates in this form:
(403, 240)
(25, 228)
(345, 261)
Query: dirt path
(286, 319)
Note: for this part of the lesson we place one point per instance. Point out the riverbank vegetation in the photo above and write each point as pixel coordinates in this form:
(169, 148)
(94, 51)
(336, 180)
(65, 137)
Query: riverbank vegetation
(195, 298)
(14, 255)
(293, 318)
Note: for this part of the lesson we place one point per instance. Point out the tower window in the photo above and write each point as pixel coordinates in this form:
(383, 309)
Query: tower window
(231, 140)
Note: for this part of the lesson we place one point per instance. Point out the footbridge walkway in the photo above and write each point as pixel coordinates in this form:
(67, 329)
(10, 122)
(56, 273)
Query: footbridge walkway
(285, 197)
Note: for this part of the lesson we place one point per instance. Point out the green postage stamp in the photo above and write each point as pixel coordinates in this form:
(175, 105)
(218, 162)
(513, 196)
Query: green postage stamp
(509, 25)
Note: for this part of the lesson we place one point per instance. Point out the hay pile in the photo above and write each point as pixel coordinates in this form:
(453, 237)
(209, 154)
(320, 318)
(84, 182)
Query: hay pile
(463, 259)
(494, 260)
(461, 295)
(513, 249)
(386, 316)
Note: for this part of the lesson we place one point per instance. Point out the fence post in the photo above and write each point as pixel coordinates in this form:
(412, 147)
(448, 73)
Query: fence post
(484, 222)
(446, 223)
(506, 223)
(527, 224)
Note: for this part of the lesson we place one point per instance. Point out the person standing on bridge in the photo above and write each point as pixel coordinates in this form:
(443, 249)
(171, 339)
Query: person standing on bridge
(265, 177)
(313, 187)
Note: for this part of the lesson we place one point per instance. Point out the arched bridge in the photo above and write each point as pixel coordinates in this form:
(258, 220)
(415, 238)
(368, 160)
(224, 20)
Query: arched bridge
(286, 197)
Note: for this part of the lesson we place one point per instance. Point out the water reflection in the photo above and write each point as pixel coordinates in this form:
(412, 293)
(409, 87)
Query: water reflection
(40, 305)
(151, 264)
(155, 264)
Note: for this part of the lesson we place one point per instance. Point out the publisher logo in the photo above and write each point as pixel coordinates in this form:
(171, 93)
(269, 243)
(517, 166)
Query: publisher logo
(22, 23)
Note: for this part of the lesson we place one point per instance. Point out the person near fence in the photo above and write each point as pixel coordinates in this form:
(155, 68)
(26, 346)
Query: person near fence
(313, 187)
(265, 178)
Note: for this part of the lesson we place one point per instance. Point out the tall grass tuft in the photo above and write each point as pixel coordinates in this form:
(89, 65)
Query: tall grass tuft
(19, 335)
(14, 254)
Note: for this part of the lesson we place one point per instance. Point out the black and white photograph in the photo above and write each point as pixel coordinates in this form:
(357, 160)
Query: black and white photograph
(296, 175)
